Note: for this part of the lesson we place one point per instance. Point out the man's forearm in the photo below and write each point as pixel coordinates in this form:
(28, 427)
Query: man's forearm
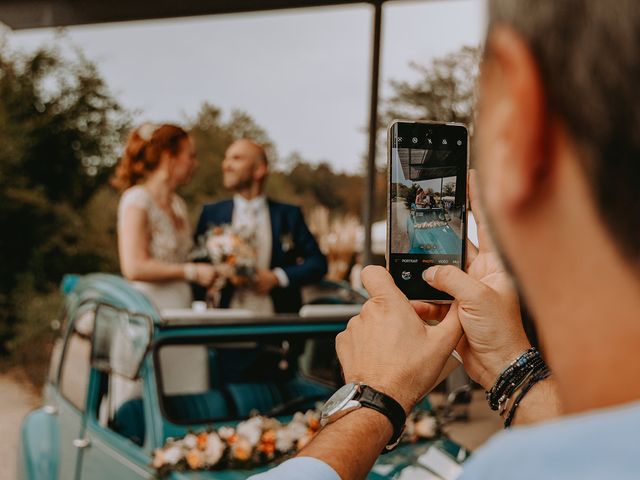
(352, 444)
(539, 404)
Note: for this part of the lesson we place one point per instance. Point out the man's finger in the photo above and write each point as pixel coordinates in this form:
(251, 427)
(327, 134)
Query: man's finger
(472, 253)
(474, 197)
(377, 281)
(429, 311)
(484, 240)
(455, 282)
(449, 330)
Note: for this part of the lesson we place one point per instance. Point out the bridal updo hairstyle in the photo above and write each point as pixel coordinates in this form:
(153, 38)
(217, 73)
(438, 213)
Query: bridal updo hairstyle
(143, 151)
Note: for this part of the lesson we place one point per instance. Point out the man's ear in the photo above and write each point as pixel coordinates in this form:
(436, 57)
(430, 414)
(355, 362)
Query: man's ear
(260, 171)
(520, 119)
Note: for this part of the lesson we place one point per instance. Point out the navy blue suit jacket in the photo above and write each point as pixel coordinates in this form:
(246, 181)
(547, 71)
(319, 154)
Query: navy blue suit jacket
(294, 250)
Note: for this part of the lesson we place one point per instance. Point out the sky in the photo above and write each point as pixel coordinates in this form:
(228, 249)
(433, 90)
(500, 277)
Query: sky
(303, 75)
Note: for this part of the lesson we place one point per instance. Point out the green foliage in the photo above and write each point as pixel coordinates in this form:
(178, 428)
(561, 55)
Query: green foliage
(445, 90)
(410, 195)
(33, 336)
(61, 132)
(312, 185)
(449, 189)
(398, 190)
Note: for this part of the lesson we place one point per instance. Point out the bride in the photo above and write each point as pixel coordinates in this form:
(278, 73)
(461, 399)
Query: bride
(154, 237)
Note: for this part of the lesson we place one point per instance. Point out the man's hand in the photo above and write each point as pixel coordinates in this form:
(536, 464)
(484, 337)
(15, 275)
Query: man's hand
(389, 347)
(486, 304)
(494, 336)
(265, 281)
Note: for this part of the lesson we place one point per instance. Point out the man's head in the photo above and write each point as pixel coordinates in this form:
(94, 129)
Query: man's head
(558, 142)
(245, 167)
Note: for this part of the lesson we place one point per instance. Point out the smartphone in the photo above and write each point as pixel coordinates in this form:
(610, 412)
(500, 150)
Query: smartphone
(428, 165)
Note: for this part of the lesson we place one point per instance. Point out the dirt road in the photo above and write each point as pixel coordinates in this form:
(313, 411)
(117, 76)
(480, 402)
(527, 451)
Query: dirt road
(15, 402)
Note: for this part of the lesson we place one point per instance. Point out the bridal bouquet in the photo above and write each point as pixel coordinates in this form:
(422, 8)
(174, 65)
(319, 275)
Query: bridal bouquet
(231, 250)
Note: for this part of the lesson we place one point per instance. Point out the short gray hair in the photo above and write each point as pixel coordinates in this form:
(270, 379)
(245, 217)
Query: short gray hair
(588, 53)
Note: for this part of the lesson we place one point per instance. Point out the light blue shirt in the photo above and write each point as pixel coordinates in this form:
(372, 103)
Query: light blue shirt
(600, 445)
(307, 468)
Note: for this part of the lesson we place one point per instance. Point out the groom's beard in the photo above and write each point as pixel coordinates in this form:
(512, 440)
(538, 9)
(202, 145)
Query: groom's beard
(240, 184)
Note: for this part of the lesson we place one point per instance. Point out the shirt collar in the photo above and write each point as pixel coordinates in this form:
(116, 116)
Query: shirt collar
(257, 202)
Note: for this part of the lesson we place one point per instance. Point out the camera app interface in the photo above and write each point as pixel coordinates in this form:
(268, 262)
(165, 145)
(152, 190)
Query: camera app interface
(428, 202)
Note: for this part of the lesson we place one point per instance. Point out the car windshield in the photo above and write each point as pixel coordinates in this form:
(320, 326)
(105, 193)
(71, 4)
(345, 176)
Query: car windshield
(203, 381)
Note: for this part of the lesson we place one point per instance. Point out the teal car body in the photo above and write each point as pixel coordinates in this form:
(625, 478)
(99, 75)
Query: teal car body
(73, 435)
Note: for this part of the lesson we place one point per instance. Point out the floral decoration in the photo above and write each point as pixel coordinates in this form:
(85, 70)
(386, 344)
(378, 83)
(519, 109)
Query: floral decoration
(259, 441)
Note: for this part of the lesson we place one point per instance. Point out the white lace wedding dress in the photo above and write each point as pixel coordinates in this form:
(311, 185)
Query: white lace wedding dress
(166, 243)
(169, 244)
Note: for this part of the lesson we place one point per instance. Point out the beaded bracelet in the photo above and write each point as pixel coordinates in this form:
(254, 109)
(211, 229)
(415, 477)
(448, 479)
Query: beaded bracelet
(504, 405)
(515, 367)
(507, 385)
(512, 377)
(535, 379)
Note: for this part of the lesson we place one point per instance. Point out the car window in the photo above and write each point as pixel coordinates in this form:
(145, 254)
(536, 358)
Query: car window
(74, 371)
(120, 406)
(56, 352)
(231, 380)
(120, 342)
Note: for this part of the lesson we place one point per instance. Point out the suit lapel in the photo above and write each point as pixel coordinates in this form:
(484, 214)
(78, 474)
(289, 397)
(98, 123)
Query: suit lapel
(226, 213)
(276, 227)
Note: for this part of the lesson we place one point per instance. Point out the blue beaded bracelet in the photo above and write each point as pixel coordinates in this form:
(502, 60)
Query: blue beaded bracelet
(512, 377)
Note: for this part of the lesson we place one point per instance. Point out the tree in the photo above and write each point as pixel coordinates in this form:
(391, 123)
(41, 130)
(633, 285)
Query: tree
(411, 194)
(445, 90)
(61, 132)
(449, 189)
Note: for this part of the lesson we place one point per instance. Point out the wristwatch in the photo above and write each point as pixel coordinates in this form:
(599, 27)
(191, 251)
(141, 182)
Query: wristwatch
(352, 396)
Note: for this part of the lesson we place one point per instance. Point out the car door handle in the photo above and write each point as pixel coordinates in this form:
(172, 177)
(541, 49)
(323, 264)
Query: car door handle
(81, 442)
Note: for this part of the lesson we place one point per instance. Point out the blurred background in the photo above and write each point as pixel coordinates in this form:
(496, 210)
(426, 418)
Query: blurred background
(296, 80)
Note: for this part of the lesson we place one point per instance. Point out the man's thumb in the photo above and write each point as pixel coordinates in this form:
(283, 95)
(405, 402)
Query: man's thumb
(455, 282)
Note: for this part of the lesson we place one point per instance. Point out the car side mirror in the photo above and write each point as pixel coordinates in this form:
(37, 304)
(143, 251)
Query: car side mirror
(120, 341)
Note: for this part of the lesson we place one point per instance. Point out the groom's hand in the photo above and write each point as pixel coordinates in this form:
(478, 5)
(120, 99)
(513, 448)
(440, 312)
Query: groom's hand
(265, 281)
(389, 347)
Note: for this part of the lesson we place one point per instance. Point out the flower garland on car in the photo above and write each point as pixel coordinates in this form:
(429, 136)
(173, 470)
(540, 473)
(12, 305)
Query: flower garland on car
(259, 441)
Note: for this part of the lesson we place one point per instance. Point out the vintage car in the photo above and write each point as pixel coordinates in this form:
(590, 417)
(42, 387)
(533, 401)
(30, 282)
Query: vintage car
(124, 378)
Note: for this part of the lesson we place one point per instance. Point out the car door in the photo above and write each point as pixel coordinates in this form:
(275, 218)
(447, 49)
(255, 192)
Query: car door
(73, 382)
(115, 430)
(111, 455)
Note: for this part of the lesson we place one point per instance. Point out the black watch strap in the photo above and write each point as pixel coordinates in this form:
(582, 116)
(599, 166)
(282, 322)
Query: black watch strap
(371, 398)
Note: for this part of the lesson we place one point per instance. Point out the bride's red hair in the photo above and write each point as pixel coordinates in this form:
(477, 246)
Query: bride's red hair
(143, 150)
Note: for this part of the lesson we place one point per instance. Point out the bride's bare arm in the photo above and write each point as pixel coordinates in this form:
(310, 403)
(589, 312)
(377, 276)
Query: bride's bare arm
(137, 264)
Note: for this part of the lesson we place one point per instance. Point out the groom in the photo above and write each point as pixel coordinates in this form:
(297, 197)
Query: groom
(288, 255)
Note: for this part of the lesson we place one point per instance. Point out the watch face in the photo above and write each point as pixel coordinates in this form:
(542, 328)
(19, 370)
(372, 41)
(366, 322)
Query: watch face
(338, 399)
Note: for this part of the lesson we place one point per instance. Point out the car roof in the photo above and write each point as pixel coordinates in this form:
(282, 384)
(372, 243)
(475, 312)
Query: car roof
(115, 290)
(110, 289)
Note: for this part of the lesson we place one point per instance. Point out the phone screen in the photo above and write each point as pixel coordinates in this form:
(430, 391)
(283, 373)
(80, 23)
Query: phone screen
(428, 165)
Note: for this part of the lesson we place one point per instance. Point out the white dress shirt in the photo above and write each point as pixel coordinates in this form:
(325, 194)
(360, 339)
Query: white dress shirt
(253, 215)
